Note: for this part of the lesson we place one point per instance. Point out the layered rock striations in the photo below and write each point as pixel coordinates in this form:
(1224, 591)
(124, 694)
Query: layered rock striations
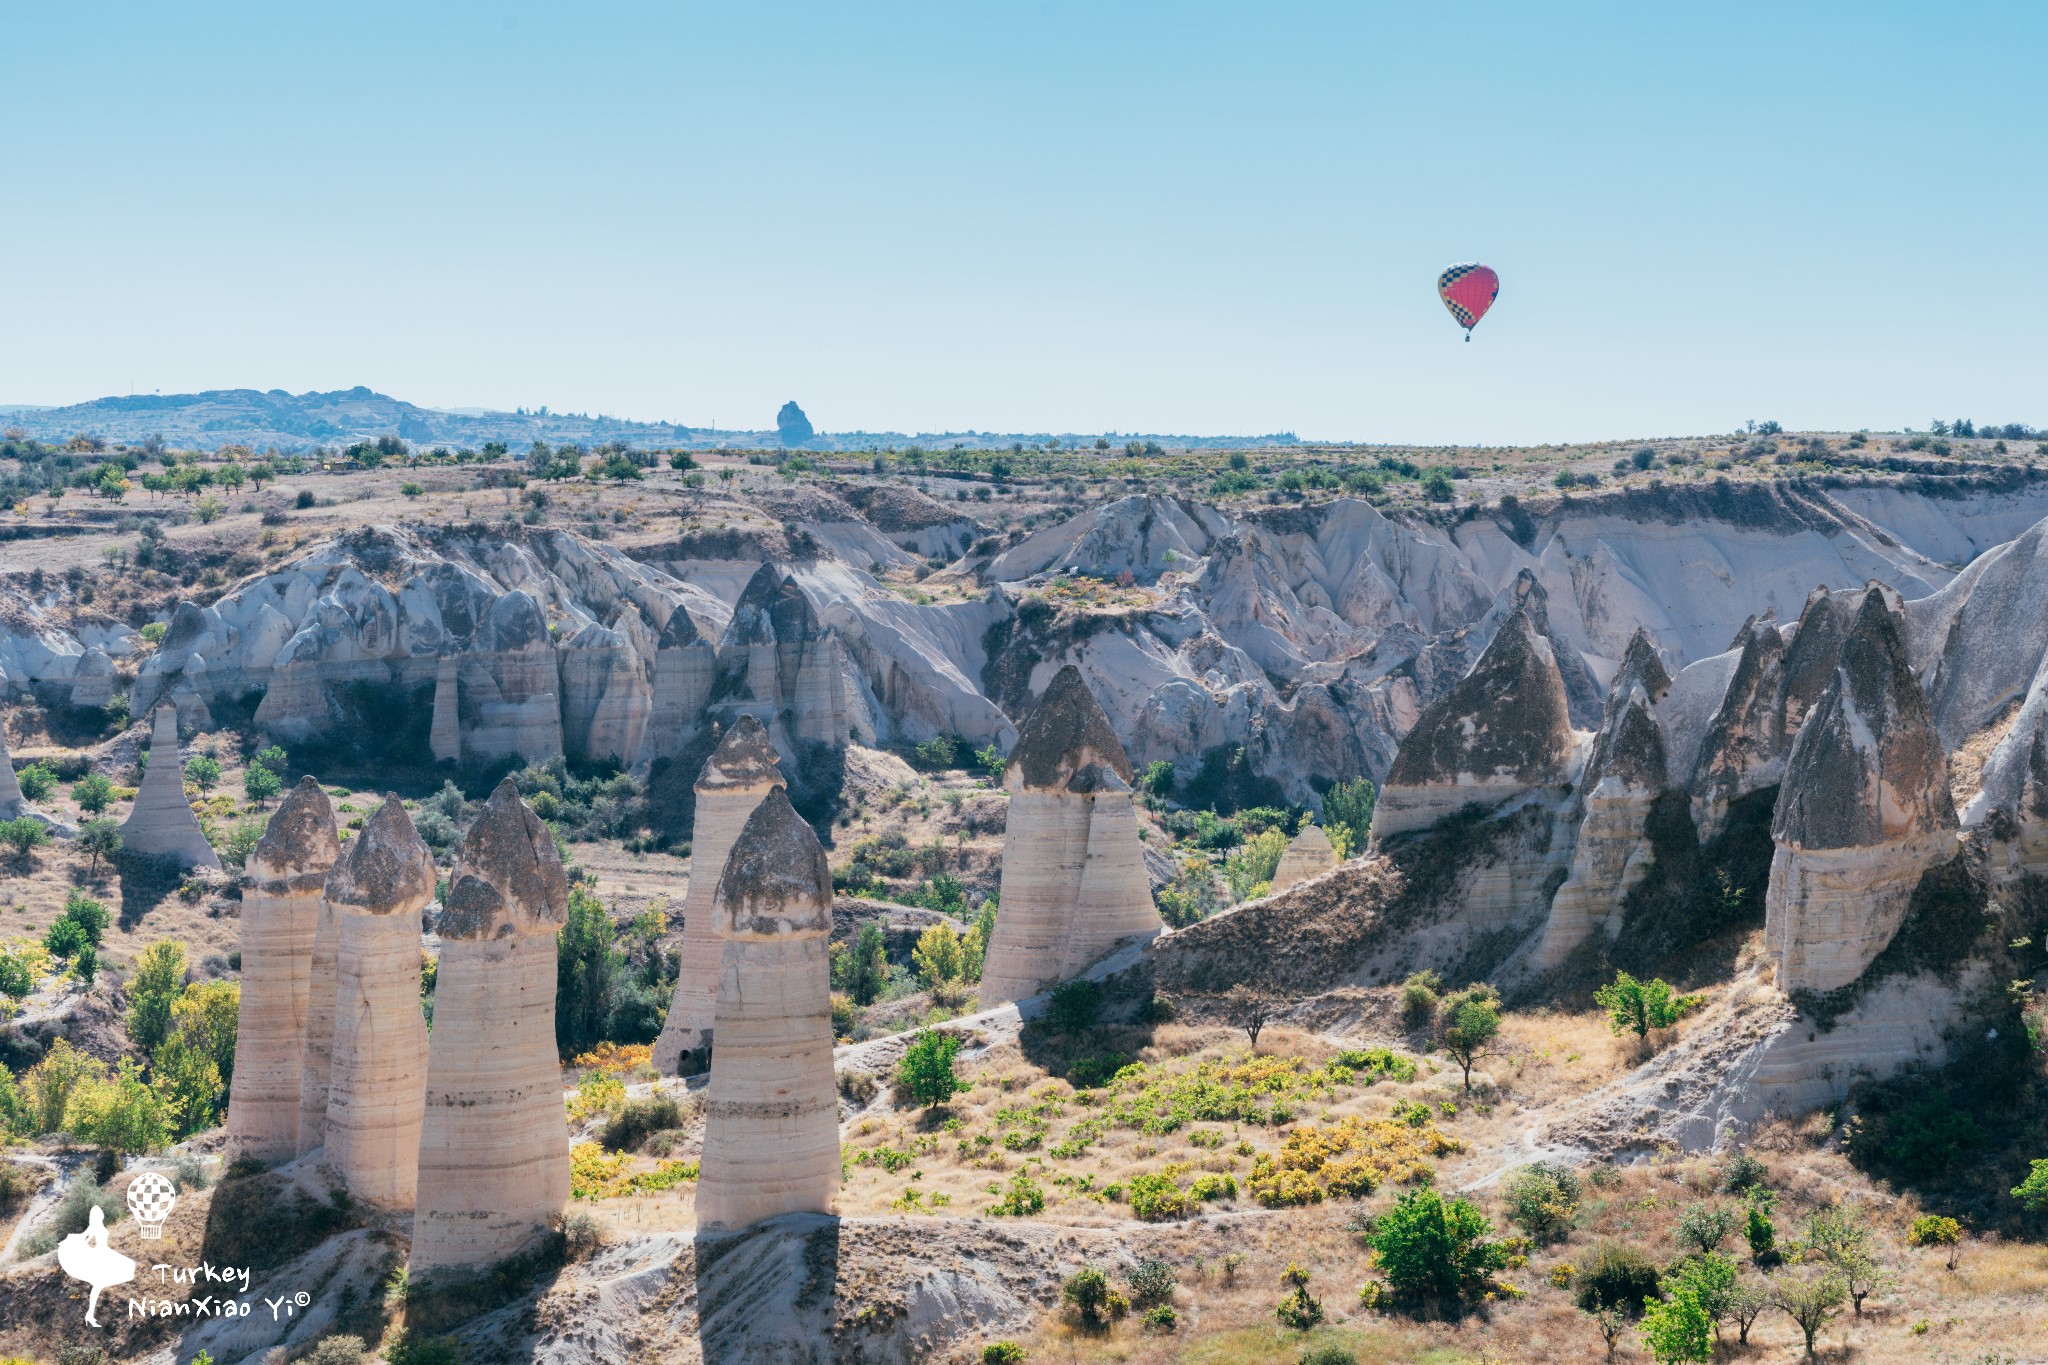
(740, 773)
(379, 887)
(1074, 880)
(494, 1145)
(685, 670)
(1625, 772)
(444, 732)
(281, 897)
(771, 1115)
(161, 823)
(1309, 854)
(1864, 811)
(1501, 732)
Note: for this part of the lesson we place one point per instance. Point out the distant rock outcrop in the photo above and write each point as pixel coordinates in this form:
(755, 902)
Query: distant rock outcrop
(792, 425)
(1865, 810)
(284, 879)
(771, 1115)
(380, 886)
(1309, 854)
(494, 1146)
(1503, 731)
(11, 803)
(735, 780)
(1074, 880)
(161, 823)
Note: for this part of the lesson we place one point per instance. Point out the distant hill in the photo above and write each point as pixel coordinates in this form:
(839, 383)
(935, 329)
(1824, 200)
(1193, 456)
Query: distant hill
(262, 418)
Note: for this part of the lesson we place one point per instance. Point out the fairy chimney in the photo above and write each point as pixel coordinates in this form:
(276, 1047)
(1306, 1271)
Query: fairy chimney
(10, 787)
(444, 733)
(380, 886)
(161, 823)
(1074, 880)
(494, 1148)
(1864, 811)
(771, 1115)
(280, 911)
(1309, 854)
(739, 773)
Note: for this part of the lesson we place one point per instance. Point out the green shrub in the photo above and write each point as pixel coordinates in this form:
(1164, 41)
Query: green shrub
(1639, 1006)
(1743, 1172)
(1419, 995)
(1615, 1277)
(1432, 1249)
(1162, 1318)
(1021, 1199)
(1543, 1200)
(926, 1071)
(1154, 1197)
(1002, 1353)
(1074, 1006)
(1921, 1140)
(1329, 1353)
(342, 1350)
(1088, 1296)
(1152, 1282)
(1298, 1308)
(412, 1348)
(1704, 1227)
(638, 1120)
(37, 781)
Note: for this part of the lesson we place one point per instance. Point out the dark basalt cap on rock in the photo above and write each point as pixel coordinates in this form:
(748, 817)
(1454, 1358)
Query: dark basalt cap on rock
(1097, 777)
(1867, 766)
(744, 758)
(1824, 624)
(775, 879)
(385, 866)
(1507, 717)
(301, 837)
(509, 879)
(1065, 732)
(1629, 745)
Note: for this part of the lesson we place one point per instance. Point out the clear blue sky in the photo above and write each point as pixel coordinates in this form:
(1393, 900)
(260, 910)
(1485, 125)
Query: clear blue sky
(1220, 218)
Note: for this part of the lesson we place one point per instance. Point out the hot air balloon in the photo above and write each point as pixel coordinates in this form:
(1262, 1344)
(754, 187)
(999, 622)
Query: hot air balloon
(1468, 290)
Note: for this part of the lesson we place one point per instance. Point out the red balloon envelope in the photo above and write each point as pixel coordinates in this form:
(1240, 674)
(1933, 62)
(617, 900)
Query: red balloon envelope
(1468, 290)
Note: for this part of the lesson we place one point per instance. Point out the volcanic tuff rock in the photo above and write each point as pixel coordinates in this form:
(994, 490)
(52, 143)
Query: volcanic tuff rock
(778, 663)
(739, 773)
(771, 1115)
(1308, 854)
(1864, 811)
(380, 886)
(1625, 771)
(1074, 880)
(284, 878)
(161, 823)
(1503, 731)
(494, 1146)
(10, 787)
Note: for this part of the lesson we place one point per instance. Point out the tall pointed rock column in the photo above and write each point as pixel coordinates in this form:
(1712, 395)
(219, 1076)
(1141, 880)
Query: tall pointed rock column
(737, 776)
(280, 910)
(382, 883)
(771, 1116)
(1073, 870)
(494, 1151)
(11, 803)
(161, 823)
(444, 734)
(1309, 854)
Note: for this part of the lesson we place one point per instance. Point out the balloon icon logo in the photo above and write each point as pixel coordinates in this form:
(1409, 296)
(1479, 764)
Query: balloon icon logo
(150, 1199)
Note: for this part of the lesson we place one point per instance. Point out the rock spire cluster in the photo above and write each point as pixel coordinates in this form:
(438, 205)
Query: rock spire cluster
(735, 779)
(771, 1115)
(1074, 880)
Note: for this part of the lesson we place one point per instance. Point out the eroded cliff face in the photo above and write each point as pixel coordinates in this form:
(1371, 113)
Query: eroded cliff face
(1074, 881)
(1865, 810)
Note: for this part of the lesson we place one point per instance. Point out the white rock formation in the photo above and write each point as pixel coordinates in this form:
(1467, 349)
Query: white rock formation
(771, 1115)
(494, 1147)
(1309, 854)
(1864, 811)
(778, 662)
(11, 803)
(161, 823)
(685, 667)
(382, 883)
(1074, 881)
(280, 910)
(92, 682)
(1502, 732)
(736, 778)
(444, 734)
(1624, 774)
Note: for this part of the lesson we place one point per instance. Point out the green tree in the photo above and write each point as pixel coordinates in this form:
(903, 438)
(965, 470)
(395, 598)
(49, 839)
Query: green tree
(1433, 1250)
(1840, 1238)
(1467, 1023)
(47, 1087)
(1761, 1235)
(926, 1071)
(158, 982)
(1073, 1007)
(204, 1018)
(1710, 1280)
(1543, 1200)
(202, 771)
(864, 967)
(2033, 1191)
(1347, 815)
(37, 781)
(86, 965)
(93, 793)
(974, 947)
(260, 784)
(1937, 1230)
(1640, 1006)
(586, 971)
(1676, 1328)
(16, 979)
(65, 938)
(24, 835)
(121, 1113)
(941, 958)
(101, 839)
(1705, 1226)
(1812, 1301)
(1297, 1308)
